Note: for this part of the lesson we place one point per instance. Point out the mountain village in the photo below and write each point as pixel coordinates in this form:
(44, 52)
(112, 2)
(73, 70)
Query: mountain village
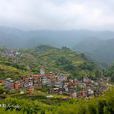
(57, 84)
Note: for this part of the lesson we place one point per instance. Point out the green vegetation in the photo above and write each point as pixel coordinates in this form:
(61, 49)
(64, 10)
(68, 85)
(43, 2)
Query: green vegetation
(10, 72)
(54, 59)
(101, 105)
(110, 72)
(58, 61)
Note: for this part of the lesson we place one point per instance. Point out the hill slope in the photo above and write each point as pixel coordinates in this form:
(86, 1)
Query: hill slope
(54, 59)
(99, 50)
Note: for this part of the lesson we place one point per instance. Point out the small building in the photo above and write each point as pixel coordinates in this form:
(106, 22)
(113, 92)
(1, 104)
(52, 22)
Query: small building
(30, 90)
(17, 85)
(9, 84)
(73, 95)
(2, 82)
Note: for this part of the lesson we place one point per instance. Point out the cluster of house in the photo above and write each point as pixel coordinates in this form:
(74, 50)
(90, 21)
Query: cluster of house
(10, 53)
(57, 84)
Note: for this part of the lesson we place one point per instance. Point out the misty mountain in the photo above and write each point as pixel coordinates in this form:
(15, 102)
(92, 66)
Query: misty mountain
(88, 45)
(14, 38)
(98, 49)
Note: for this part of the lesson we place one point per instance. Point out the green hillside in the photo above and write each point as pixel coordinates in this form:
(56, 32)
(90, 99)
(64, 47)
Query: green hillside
(54, 59)
(98, 50)
(21, 62)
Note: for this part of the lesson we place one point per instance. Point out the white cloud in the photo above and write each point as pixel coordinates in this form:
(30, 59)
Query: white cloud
(57, 14)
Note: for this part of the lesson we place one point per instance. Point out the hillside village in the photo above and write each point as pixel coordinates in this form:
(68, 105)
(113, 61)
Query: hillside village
(56, 57)
(49, 76)
(57, 84)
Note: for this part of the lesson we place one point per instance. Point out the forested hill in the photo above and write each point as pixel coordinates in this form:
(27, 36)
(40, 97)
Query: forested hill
(15, 62)
(99, 50)
(15, 38)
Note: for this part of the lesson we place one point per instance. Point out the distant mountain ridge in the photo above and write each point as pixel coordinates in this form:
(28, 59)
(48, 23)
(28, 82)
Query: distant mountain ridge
(99, 50)
(14, 38)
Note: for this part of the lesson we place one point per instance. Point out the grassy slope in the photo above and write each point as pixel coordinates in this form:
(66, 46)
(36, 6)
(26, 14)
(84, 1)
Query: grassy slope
(47, 56)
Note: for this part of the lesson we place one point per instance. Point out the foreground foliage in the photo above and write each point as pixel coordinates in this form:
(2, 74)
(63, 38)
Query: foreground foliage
(101, 105)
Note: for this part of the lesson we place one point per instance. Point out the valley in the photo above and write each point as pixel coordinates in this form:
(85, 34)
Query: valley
(46, 78)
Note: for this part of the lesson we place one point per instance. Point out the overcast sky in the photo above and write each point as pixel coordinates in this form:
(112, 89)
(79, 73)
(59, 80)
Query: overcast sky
(58, 14)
